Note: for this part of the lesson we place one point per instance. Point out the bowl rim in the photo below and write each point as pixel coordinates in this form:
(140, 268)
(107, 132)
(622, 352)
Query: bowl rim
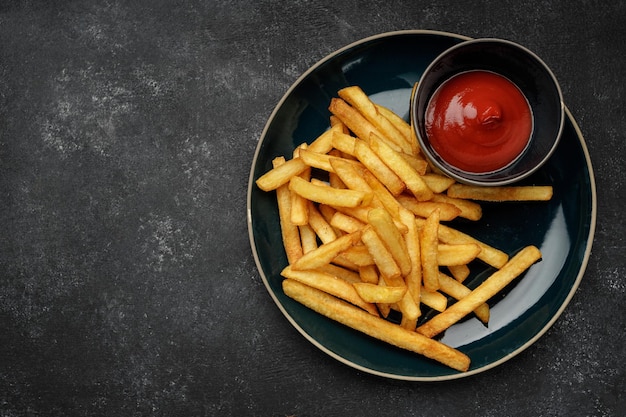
(477, 178)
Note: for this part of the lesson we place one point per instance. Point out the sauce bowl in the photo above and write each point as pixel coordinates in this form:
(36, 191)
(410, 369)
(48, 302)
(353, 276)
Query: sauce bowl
(527, 72)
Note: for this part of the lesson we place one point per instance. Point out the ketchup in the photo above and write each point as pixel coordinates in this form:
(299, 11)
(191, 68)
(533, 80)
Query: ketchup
(478, 121)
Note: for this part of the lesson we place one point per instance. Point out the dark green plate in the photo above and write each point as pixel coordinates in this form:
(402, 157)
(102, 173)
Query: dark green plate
(386, 67)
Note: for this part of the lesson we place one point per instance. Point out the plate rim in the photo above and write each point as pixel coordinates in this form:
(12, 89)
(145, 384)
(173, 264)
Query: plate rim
(341, 359)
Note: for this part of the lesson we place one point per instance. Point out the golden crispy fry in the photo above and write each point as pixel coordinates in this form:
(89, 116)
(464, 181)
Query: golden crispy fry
(400, 124)
(289, 231)
(469, 210)
(433, 299)
(488, 254)
(419, 164)
(341, 272)
(519, 193)
(344, 143)
(455, 289)
(352, 118)
(316, 160)
(459, 272)
(437, 183)
(346, 223)
(324, 142)
(412, 179)
(281, 174)
(382, 257)
(374, 293)
(377, 167)
(299, 205)
(373, 326)
(382, 194)
(326, 252)
(369, 273)
(308, 237)
(414, 278)
(348, 173)
(357, 255)
(428, 251)
(461, 254)
(328, 195)
(338, 124)
(357, 98)
(318, 223)
(331, 285)
(382, 223)
(410, 311)
(335, 182)
(407, 305)
(491, 286)
(447, 211)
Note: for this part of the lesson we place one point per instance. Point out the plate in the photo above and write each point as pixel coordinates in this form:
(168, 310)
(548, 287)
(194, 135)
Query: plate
(386, 66)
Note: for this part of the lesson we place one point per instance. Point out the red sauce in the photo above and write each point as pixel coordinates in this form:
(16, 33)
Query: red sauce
(478, 121)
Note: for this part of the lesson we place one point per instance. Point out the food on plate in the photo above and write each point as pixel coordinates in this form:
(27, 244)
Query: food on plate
(369, 229)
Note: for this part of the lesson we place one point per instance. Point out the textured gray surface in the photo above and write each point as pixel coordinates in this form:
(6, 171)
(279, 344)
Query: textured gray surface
(127, 284)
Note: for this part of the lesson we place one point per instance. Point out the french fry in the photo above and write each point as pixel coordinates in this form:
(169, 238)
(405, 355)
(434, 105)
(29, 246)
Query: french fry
(437, 183)
(299, 205)
(349, 175)
(382, 194)
(512, 193)
(357, 98)
(352, 118)
(382, 223)
(308, 238)
(433, 299)
(340, 272)
(281, 174)
(318, 223)
(490, 287)
(403, 169)
(407, 305)
(469, 210)
(373, 326)
(455, 289)
(414, 278)
(325, 253)
(344, 143)
(382, 257)
(428, 250)
(369, 273)
(324, 142)
(447, 212)
(459, 272)
(377, 167)
(289, 231)
(374, 293)
(454, 255)
(316, 160)
(358, 255)
(328, 195)
(419, 164)
(346, 223)
(400, 124)
(331, 285)
(488, 253)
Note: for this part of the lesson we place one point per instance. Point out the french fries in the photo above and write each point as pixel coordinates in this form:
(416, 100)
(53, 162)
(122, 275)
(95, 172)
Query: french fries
(368, 227)
(376, 327)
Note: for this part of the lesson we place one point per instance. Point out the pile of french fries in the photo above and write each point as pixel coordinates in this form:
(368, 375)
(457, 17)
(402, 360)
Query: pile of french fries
(363, 220)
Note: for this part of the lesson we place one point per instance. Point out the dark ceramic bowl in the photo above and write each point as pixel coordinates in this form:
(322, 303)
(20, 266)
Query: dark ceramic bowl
(520, 66)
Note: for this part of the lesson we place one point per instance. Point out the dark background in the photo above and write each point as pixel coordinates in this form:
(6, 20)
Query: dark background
(127, 282)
